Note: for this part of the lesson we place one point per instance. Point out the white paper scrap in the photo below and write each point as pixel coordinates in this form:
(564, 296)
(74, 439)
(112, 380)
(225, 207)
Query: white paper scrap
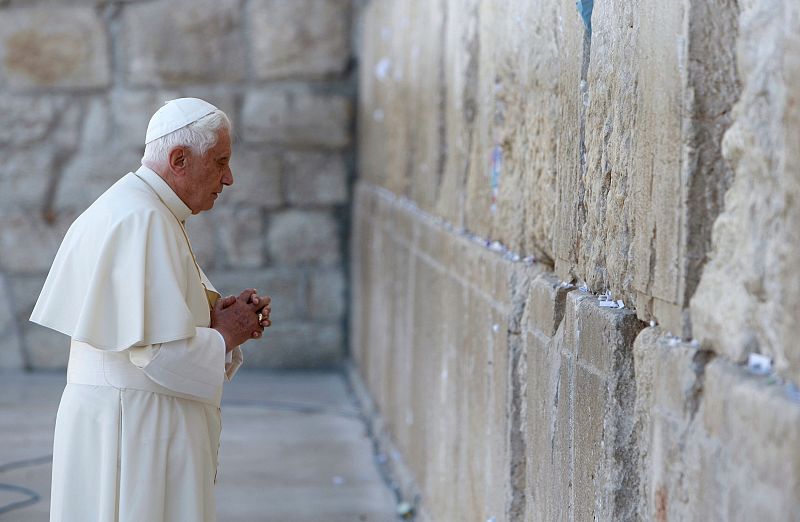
(759, 364)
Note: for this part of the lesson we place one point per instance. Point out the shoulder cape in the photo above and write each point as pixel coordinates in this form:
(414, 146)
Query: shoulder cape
(124, 275)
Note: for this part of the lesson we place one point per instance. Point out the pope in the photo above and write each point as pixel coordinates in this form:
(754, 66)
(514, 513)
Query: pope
(152, 342)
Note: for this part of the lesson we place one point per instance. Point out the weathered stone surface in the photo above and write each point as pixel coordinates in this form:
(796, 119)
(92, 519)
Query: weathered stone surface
(296, 117)
(297, 236)
(62, 47)
(314, 178)
(185, 42)
(326, 294)
(91, 172)
(754, 260)
(602, 332)
(297, 345)
(719, 440)
(10, 340)
(544, 309)
(21, 254)
(436, 346)
(44, 348)
(546, 429)
(25, 177)
(201, 229)
(25, 119)
(298, 39)
(256, 178)
(287, 288)
(241, 237)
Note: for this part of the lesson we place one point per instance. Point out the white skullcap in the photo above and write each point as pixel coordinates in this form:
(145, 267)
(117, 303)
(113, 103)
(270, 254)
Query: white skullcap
(176, 114)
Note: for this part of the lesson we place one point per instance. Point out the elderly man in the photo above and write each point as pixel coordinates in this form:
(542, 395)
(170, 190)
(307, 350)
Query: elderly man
(137, 432)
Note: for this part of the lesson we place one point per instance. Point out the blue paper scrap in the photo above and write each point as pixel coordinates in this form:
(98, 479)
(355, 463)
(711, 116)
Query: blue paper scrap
(585, 9)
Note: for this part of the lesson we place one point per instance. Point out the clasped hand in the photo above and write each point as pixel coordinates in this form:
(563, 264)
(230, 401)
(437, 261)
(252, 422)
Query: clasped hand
(241, 318)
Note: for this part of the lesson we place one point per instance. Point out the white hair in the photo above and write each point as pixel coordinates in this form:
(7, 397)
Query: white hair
(199, 136)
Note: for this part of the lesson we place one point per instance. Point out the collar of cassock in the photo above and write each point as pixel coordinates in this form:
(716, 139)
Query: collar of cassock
(165, 193)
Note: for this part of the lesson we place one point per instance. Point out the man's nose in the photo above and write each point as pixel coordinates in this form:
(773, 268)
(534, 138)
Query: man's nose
(227, 178)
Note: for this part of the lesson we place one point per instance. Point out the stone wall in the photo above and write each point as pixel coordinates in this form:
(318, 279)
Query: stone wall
(519, 168)
(78, 83)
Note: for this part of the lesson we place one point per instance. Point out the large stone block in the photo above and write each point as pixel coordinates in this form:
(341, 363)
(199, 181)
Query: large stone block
(44, 348)
(296, 117)
(718, 441)
(26, 175)
(314, 178)
(91, 172)
(184, 42)
(603, 332)
(297, 236)
(240, 236)
(257, 179)
(298, 39)
(297, 345)
(202, 232)
(22, 254)
(544, 309)
(547, 430)
(754, 260)
(26, 119)
(55, 47)
(326, 294)
(10, 339)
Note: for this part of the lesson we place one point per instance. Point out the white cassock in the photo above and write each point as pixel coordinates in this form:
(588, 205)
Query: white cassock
(138, 427)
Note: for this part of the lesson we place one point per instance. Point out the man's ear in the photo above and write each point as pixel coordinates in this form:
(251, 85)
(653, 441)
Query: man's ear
(178, 160)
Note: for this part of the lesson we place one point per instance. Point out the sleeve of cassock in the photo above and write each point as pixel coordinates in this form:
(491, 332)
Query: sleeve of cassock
(195, 366)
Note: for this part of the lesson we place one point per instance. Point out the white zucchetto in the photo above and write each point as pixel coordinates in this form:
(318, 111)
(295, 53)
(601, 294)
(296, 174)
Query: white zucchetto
(176, 114)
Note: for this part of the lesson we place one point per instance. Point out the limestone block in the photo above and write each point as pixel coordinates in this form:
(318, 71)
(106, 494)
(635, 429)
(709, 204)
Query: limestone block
(256, 178)
(374, 91)
(719, 442)
(185, 42)
(590, 394)
(25, 175)
(406, 99)
(524, 82)
(44, 348)
(25, 120)
(10, 340)
(758, 424)
(547, 431)
(298, 39)
(240, 236)
(55, 47)
(296, 117)
(201, 229)
(461, 49)
(602, 332)
(326, 294)
(296, 345)
(91, 172)
(20, 253)
(286, 287)
(544, 309)
(314, 178)
(298, 236)
(754, 259)
(635, 214)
